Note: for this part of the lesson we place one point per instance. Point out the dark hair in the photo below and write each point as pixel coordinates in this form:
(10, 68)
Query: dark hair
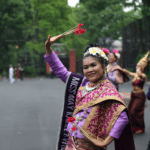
(100, 59)
(114, 56)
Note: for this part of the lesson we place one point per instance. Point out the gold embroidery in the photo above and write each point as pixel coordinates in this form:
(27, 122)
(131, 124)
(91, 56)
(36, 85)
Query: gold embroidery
(103, 103)
(139, 91)
(111, 123)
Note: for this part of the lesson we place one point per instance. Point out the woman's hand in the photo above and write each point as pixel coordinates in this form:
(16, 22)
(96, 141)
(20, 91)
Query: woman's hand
(103, 143)
(48, 44)
(50, 41)
(98, 143)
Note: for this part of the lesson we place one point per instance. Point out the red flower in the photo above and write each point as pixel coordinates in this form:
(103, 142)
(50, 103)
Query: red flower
(73, 128)
(71, 119)
(79, 31)
(80, 24)
(105, 50)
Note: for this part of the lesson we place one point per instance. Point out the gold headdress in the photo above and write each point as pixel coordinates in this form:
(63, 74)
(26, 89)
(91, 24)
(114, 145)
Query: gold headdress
(145, 60)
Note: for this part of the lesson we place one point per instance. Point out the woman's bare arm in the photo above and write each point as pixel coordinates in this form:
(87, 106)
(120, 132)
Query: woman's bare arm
(56, 65)
(128, 72)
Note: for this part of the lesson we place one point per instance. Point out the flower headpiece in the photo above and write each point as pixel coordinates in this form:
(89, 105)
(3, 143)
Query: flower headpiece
(106, 51)
(96, 51)
(116, 52)
(77, 30)
(145, 60)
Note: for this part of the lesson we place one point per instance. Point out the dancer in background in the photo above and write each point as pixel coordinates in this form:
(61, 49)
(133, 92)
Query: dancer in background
(11, 74)
(137, 103)
(115, 74)
(99, 114)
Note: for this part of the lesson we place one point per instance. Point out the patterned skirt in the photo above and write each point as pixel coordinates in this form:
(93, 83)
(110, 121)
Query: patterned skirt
(136, 111)
(81, 144)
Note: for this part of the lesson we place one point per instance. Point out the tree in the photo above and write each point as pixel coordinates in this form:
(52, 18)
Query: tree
(56, 17)
(144, 5)
(13, 17)
(33, 21)
(104, 18)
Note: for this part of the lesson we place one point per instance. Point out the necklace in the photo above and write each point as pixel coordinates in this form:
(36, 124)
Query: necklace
(89, 89)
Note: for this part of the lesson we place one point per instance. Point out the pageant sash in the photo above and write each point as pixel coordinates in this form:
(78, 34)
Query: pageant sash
(73, 84)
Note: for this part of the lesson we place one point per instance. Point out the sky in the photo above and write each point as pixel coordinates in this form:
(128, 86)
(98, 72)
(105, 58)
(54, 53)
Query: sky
(73, 3)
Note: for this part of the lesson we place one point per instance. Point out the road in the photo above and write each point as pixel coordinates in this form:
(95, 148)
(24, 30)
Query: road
(30, 113)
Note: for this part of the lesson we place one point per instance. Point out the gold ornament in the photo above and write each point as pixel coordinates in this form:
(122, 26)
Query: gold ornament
(145, 60)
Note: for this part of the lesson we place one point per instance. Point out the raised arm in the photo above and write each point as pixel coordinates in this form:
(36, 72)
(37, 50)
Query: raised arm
(58, 68)
(128, 72)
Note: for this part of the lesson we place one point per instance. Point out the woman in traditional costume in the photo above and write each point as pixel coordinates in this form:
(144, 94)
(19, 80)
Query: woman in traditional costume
(137, 102)
(94, 113)
(115, 74)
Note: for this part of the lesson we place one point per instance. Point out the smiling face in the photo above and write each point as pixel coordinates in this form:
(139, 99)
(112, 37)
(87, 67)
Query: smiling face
(92, 69)
(112, 58)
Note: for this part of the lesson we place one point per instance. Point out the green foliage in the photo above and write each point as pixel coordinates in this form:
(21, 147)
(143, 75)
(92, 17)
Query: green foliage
(30, 71)
(14, 15)
(34, 20)
(104, 18)
(57, 17)
(144, 5)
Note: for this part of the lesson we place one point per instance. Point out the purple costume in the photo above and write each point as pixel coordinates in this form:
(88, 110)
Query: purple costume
(112, 77)
(61, 72)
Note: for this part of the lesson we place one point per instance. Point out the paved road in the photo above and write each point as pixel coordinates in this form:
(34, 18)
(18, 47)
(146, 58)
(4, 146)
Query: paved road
(30, 113)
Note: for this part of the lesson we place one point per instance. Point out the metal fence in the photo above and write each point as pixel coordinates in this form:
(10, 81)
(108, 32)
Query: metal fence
(136, 41)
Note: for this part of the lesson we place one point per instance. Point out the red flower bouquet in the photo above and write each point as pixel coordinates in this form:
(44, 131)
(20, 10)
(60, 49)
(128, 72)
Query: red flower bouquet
(77, 30)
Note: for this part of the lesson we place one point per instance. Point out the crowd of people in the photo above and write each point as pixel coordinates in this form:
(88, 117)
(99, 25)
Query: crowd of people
(98, 114)
(18, 71)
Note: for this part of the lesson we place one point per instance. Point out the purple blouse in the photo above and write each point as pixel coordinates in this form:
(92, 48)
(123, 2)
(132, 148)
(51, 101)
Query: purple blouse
(61, 72)
(112, 77)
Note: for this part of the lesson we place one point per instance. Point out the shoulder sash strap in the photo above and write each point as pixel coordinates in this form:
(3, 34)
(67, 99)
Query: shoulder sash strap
(73, 83)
